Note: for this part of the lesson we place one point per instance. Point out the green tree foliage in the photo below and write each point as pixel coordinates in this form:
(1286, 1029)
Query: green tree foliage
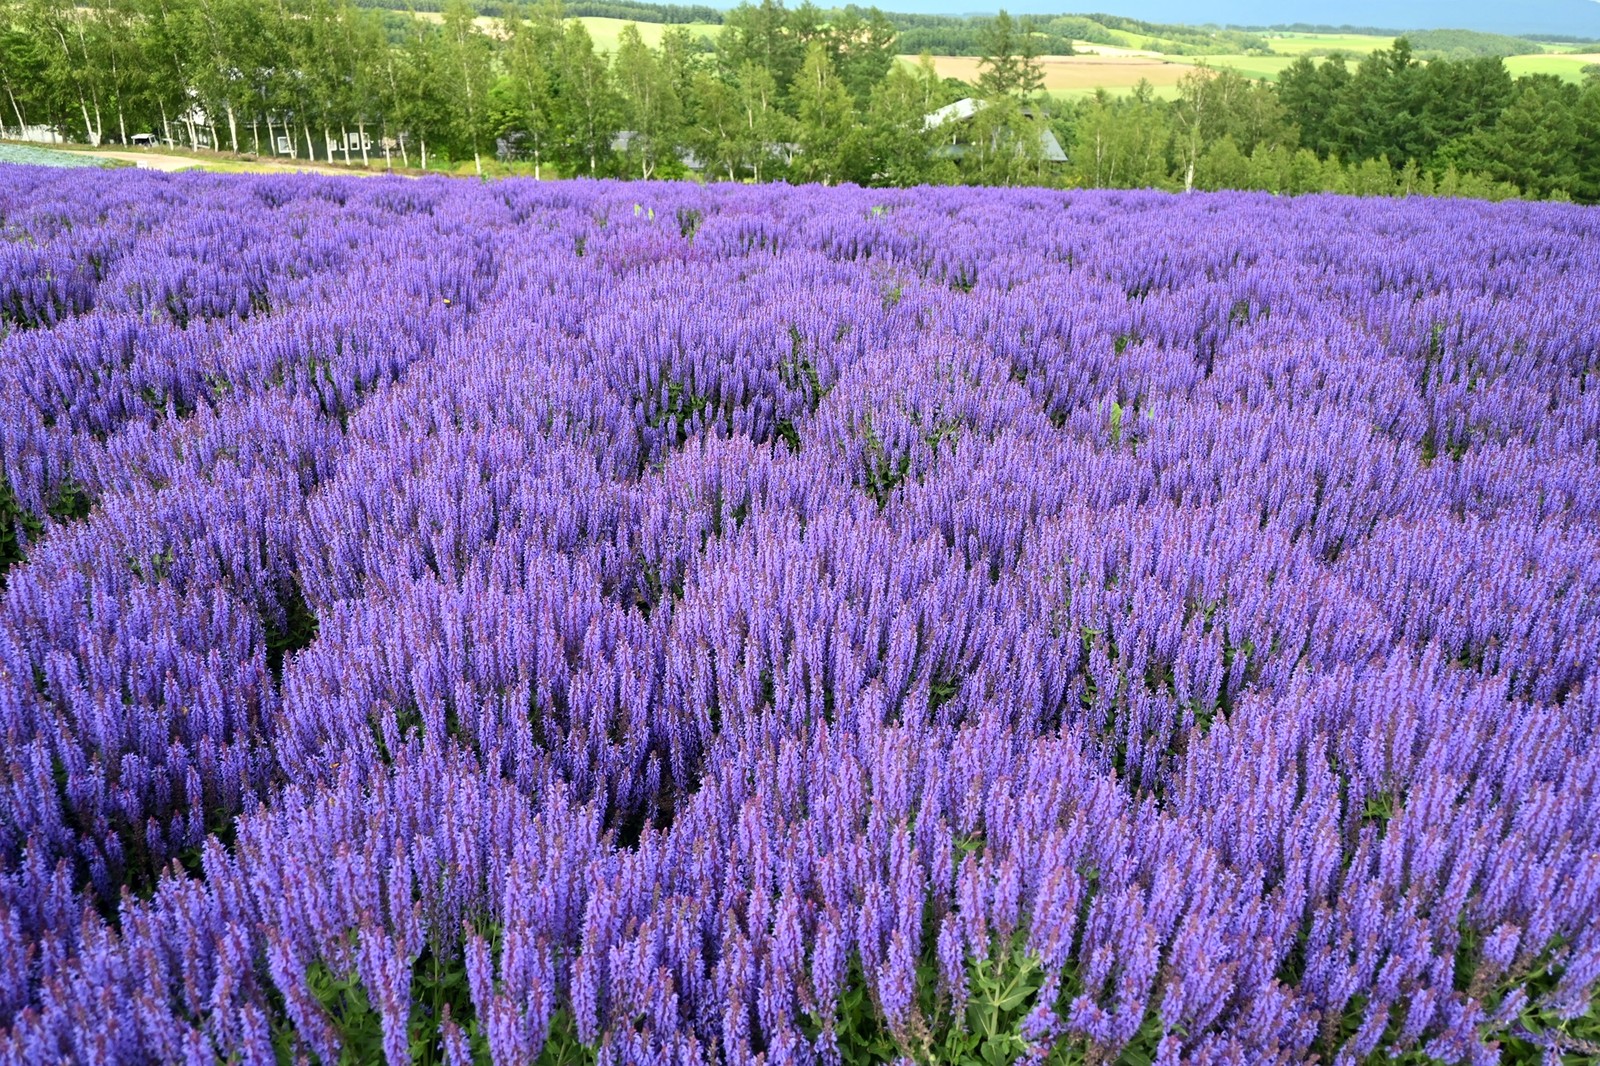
(768, 36)
(1534, 143)
(1010, 58)
(829, 138)
(1381, 114)
(1467, 117)
(423, 105)
(1586, 123)
(1469, 44)
(650, 107)
(24, 68)
(1003, 146)
(589, 106)
(796, 93)
(469, 63)
(714, 134)
(1121, 142)
(761, 126)
(1310, 92)
(862, 48)
(527, 92)
(1460, 97)
(898, 148)
(1217, 107)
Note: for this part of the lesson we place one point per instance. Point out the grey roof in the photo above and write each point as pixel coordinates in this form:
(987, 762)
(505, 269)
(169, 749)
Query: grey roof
(966, 107)
(625, 138)
(961, 109)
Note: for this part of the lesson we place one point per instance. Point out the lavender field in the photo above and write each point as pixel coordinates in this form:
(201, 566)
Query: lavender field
(449, 622)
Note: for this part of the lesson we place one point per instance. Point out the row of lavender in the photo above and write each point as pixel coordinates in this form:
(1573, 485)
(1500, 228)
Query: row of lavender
(670, 624)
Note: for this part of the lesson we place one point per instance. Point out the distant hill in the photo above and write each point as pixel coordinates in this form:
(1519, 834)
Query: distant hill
(1577, 18)
(1560, 18)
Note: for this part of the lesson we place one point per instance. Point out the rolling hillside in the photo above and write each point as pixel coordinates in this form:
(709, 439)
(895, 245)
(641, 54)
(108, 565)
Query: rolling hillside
(1563, 18)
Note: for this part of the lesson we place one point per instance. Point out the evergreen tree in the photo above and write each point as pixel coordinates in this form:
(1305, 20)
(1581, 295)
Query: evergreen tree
(768, 36)
(861, 49)
(1535, 143)
(1381, 111)
(1311, 95)
(1010, 60)
(1460, 97)
(1586, 131)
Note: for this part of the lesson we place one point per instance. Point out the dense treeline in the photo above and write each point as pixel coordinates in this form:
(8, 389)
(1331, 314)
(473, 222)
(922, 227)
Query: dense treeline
(1225, 132)
(1468, 44)
(1390, 31)
(964, 37)
(1053, 35)
(1175, 40)
(671, 14)
(787, 93)
(632, 10)
(1537, 132)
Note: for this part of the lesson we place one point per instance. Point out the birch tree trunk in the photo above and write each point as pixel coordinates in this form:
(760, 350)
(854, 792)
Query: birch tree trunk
(88, 126)
(22, 123)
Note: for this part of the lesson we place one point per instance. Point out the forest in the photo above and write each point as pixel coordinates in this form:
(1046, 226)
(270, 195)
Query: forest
(798, 94)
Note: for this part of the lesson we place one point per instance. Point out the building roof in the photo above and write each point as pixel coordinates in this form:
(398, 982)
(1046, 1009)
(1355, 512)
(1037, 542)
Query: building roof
(966, 107)
(961, 109)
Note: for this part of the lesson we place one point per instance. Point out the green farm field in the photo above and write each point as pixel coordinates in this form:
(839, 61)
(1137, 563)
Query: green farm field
(1567, 67)
(1297, 44)
(1119, 68)
(605, 31)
